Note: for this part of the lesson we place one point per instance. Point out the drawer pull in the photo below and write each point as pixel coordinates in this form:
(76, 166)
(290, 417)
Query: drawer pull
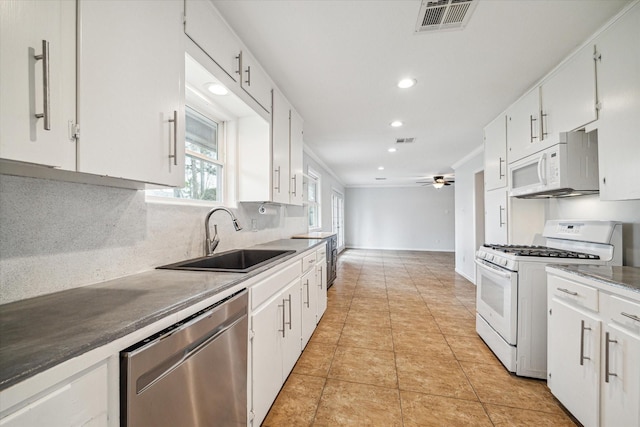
(582, 356)
(608, 374)
(631, 316)
(567, 291)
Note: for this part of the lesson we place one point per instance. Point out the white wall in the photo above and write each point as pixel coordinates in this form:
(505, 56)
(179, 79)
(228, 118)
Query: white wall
(59, 235)
(329, 182)
(465, 216)
(590, 207)
(414, 218)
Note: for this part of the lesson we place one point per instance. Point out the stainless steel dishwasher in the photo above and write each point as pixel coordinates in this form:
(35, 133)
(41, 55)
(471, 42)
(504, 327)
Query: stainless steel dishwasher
(193, 373)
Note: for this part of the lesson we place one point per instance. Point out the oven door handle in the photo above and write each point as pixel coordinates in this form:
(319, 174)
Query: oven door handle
(495, 270)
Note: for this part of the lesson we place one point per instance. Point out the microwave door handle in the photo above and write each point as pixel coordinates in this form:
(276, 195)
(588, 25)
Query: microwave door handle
(541, 161)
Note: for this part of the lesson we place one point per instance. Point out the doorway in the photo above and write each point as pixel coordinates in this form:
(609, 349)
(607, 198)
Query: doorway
(337, 215)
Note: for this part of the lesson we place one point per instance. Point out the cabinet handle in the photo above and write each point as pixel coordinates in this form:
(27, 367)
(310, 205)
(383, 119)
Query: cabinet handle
(294, 179)
(631, 316)
(289, 322)
(582, 356)
(239, 63)
(46, 114)
(283, 319)
(501, 175)
(277, 187)
(542, 116)
(307, 293)
(320, 270)
(531, 120)
(248, 71)
(501, 222)
(567, 291)
(608, 374)
(174, 156)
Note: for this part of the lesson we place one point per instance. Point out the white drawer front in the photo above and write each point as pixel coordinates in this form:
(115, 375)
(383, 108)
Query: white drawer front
(579, 295)
(262, 291)
(625, 313)
(308, 262)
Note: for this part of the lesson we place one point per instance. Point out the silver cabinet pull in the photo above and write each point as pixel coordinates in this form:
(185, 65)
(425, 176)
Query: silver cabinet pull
(307, 293)
(631, 316)
(582, 356)
(283, 319)
(277, 187)
(239, 58)
(294, 179)
(46, 114)
(567, 291)
(174, 156)
(501, 222)
(542, 116)
(320, 284)
(248, 71)
(608, 374)
(531, 120)
(501, 175)
(289, 322)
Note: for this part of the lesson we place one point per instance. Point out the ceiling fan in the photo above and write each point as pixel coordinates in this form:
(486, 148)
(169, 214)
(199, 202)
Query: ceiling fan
(438, 181)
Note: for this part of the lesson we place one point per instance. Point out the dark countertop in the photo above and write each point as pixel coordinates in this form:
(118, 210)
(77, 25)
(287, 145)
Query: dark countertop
(622, 277)
(39, 333)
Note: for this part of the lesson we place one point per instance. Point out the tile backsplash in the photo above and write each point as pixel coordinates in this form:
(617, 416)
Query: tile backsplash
(59, 235)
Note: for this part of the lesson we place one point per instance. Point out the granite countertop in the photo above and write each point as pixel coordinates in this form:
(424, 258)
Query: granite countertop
(622, 277)
(314, 235)
(39, 333)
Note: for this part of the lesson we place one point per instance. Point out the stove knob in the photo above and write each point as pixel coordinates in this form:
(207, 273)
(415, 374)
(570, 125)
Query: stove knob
(503, 262)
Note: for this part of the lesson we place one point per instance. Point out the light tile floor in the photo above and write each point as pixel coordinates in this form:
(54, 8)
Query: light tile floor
(397, 347)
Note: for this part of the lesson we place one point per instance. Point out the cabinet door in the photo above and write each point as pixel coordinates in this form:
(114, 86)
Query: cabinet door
(568, 97)
(495, 216)
(309, 305)
(131, 87)
(291, 341)
(208, 30)
(523, 126)
(619, 93)
(23, 27)
(295, 155)
(82, 401)
(495, 154)
(280, 147)
(267, 324)
(321, 286)
(573, 360)
(621, 388)
(255, 81)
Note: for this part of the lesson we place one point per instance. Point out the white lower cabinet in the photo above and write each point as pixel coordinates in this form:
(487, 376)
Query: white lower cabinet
(79, 401)
(309, 305)
(593, 352)
(321, 269)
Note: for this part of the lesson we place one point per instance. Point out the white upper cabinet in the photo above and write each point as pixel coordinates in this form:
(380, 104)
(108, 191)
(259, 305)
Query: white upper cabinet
(619, 93)
(25, 70)
(495, 154)
(568, 96)
(255, 81)
(208, 30)
(280, 147)
(131, 90)
(296, 158)
(523, 129)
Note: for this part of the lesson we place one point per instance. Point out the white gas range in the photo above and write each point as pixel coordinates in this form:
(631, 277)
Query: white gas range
(511, 284)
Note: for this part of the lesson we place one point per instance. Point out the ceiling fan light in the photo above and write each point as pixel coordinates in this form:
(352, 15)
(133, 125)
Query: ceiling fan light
(438, 184)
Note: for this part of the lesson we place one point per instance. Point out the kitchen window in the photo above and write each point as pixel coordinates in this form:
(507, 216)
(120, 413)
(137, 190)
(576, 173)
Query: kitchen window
(313, 199)
(204, 136)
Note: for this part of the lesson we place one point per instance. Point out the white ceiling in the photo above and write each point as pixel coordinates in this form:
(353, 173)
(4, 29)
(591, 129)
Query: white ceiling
(338, 63)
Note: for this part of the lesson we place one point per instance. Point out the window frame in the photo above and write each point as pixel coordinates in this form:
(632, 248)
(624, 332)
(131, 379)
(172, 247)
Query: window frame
(315, 177)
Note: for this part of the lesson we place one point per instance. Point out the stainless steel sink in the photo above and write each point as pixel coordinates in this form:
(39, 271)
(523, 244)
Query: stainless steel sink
(237, 261)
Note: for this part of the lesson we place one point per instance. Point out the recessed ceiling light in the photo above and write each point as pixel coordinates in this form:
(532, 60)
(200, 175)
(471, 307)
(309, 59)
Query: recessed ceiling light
(407, 83)
(380, 168)
(217, 89)
(396, 123)
(392, 150)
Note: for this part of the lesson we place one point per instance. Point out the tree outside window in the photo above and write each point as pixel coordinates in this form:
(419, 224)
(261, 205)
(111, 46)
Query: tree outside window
(313, 198)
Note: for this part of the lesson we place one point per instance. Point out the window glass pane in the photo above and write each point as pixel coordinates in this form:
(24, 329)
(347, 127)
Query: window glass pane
(201, 134)
(312, 191)
(202, 180)
(313, 216)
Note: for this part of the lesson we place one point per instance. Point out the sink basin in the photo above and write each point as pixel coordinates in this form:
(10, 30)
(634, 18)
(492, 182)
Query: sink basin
(237, 261)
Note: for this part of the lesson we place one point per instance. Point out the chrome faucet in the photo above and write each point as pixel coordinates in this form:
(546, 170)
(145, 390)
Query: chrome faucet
(211, 244)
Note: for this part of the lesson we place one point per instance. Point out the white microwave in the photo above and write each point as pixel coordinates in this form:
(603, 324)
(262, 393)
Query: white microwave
(569, 168)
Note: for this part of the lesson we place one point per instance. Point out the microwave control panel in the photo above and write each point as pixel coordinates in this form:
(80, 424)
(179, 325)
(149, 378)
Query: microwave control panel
(553, 170)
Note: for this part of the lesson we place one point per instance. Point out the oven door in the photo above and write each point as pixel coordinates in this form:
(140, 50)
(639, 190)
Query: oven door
(497, 299)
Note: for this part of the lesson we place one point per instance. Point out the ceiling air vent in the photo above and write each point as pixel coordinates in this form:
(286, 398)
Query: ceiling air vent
(444, 14)
(405, 140)
(381, 179)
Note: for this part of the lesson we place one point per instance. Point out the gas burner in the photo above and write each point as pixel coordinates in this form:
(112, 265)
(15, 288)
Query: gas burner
(539, 251)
